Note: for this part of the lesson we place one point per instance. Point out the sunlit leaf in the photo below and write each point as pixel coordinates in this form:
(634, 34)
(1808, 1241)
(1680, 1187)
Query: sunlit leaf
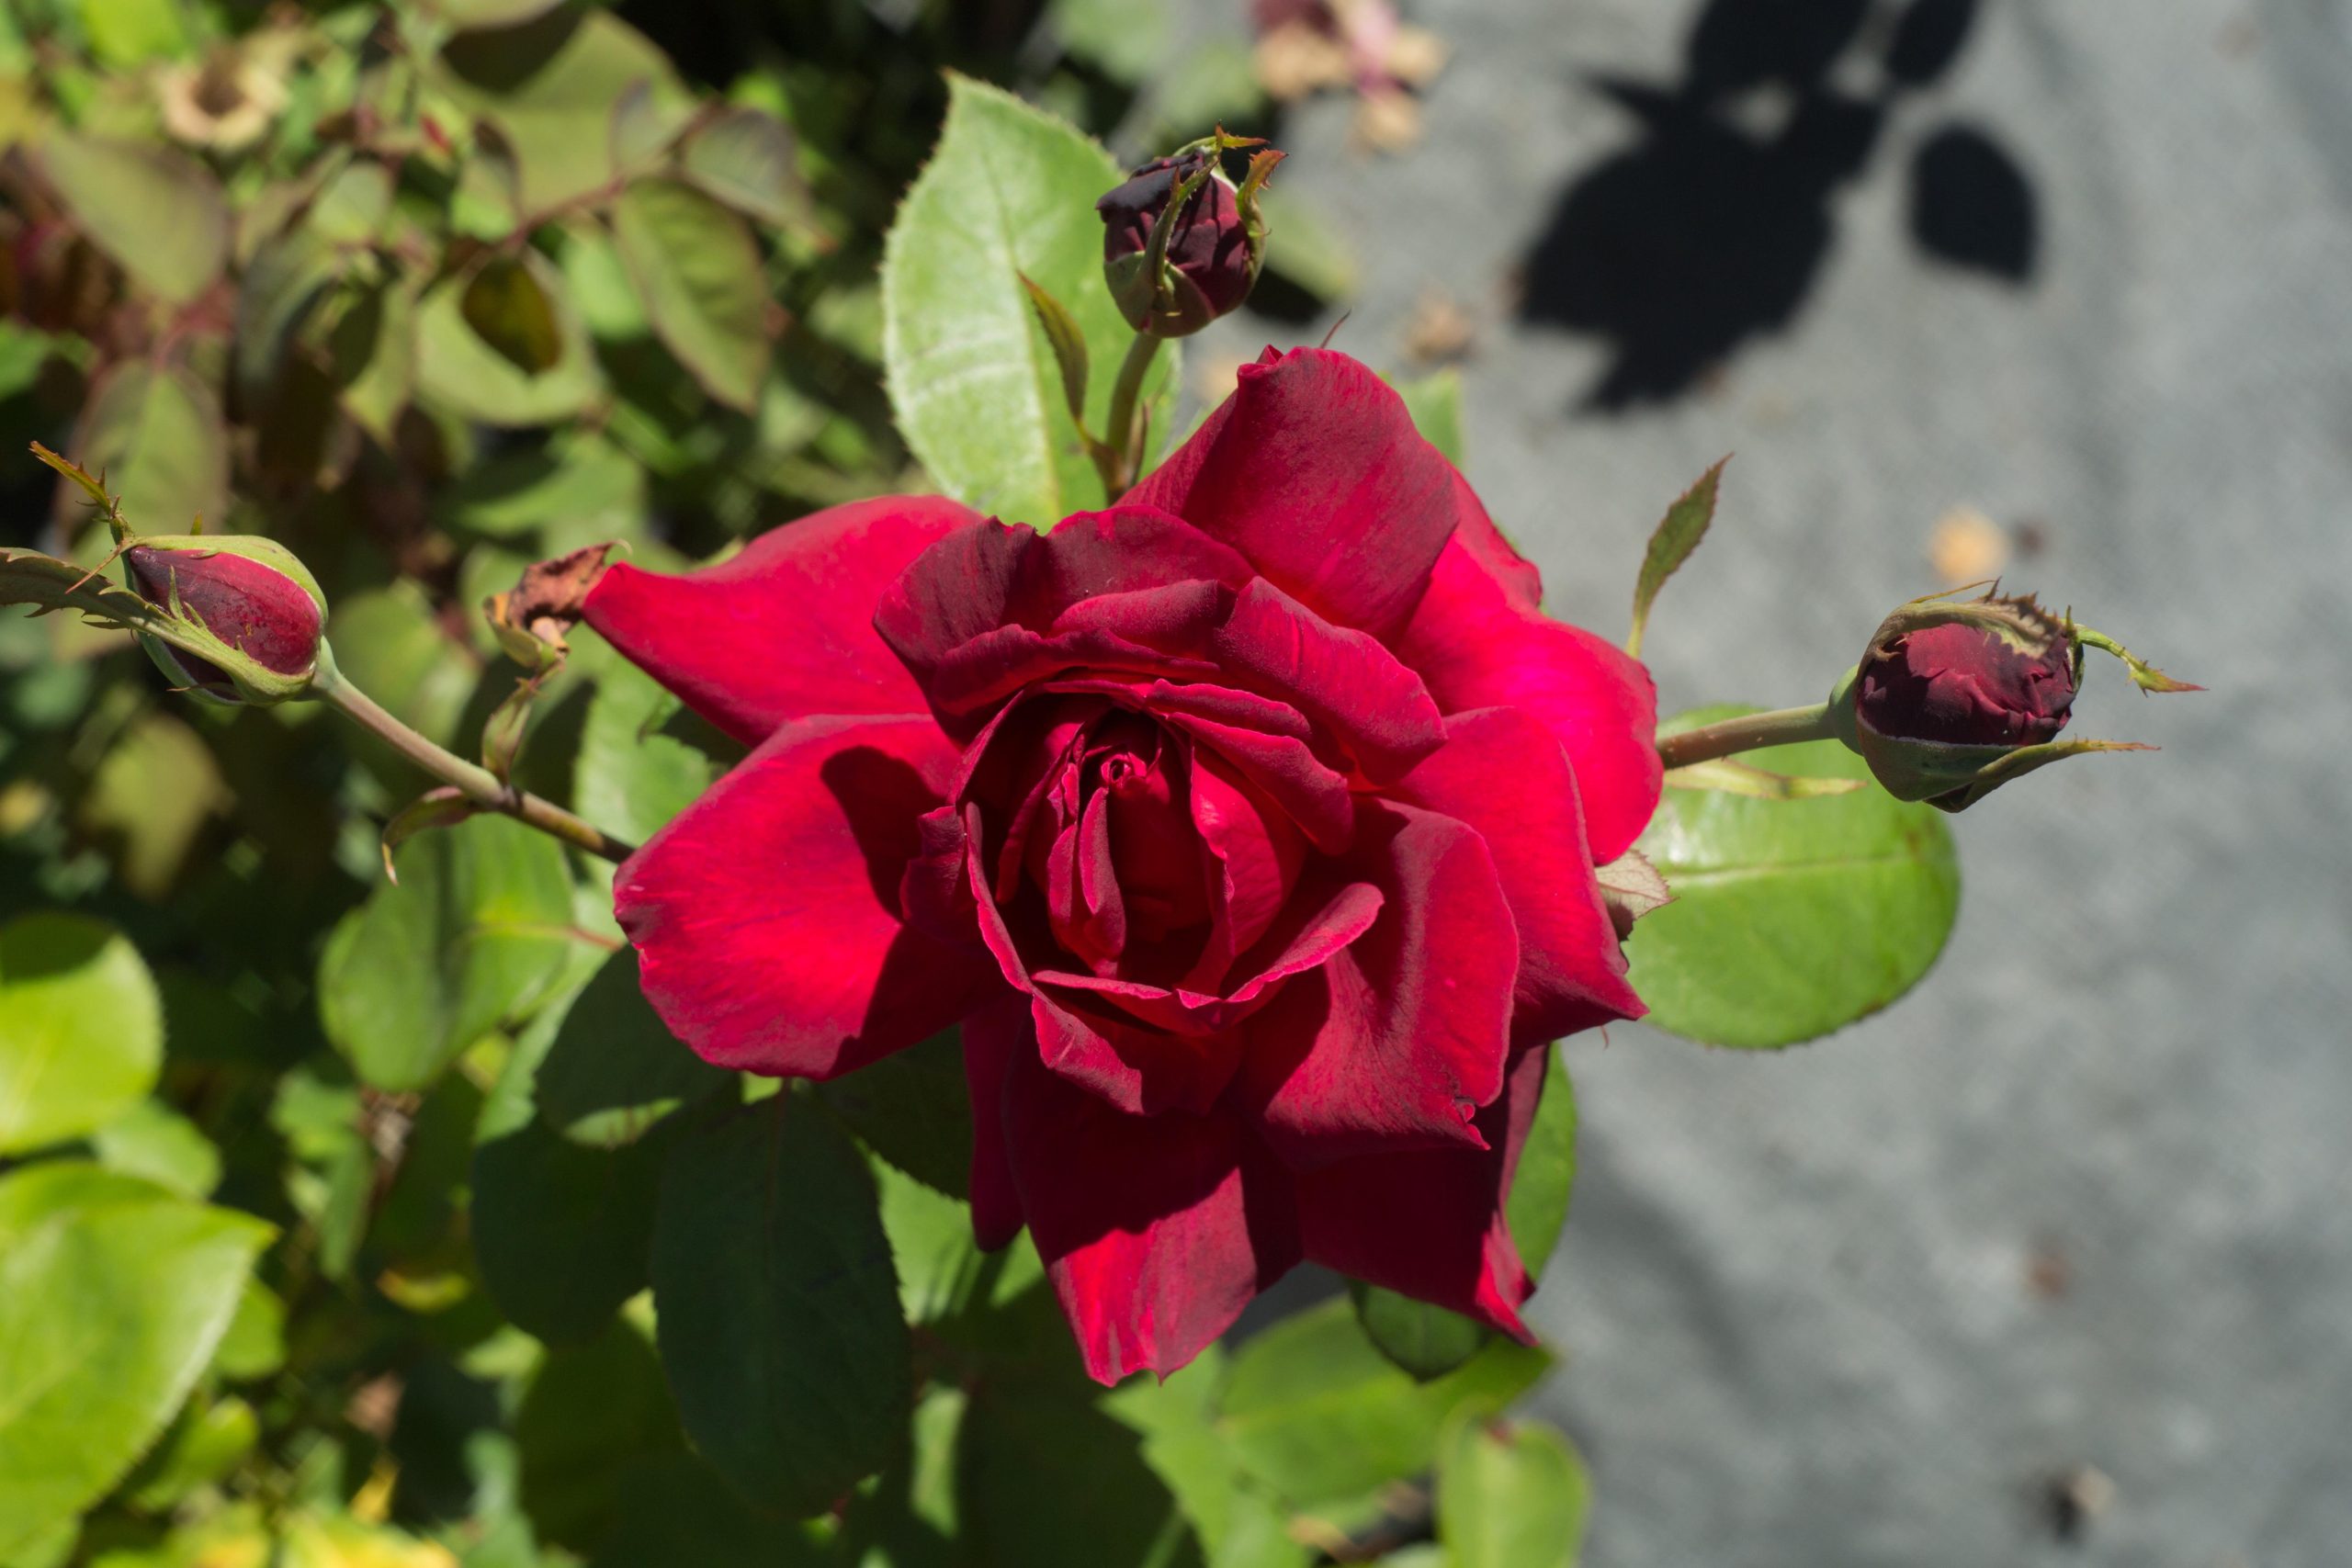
(698, 270)
(81, 1029)
(157, 211)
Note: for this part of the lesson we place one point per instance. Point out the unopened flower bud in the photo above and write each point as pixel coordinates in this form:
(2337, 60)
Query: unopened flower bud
(1952, 700)
(1182, 245)
(250, 618)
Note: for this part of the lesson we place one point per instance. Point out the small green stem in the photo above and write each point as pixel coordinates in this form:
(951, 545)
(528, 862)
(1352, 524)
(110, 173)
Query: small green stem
(1749, 732)
(477, 785)
(1124, 435)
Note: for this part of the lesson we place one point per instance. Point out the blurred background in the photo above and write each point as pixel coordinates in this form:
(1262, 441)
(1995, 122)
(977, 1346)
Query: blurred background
(2050, 1263)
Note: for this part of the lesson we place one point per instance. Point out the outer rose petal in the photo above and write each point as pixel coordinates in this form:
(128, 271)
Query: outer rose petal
(1478, 645)
(1503, 773)
(1431, 1224)
(1313, 469)
(784, 630)
(768, 915)
(997, 1034)
(1155, 1230)
(1398, 1038)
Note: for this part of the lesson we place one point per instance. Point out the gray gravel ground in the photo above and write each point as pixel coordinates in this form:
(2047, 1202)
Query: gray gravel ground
(2084, 1197)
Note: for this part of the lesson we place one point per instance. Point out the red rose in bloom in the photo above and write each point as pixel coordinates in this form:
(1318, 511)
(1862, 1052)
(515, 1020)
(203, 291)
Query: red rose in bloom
(1248, 828)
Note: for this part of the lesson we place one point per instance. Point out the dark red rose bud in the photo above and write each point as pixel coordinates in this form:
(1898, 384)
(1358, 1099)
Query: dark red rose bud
(1213, 240)
(1970, 684)
(1952, 700)
(253, 617)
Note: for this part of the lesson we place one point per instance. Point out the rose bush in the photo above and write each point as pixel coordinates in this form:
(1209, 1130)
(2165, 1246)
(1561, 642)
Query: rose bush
(1247, 826)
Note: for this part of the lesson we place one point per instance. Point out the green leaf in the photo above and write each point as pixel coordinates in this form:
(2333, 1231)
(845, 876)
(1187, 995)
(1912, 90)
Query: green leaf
(389, 643)
(1303, 249)
(81, 1029)
(779, 1308)
(940, 1266)
(157, 432)
(549, 85)
(1510, 1496)
(639, 765)
(506, 305)
(1435, 402)
(1068, 340)
(457, 368)
(1315, 1375)
(1424, 1341)
(204, 1444)
(1239, 1523)
(470, 14)
(1046, 1477)
(1010, 191)
(1537, 1205)
(912, 1108)
(1671, 542)
(745, 159)
(152, 1141)
(674, 1513)
(698, 269)
(472, 937)
(127, 33)
(371, 356)
(157, 211)
(592, 1412)
(1128, 42)
(611, 1070)
(112, 1295)
(254, 1345)
(563, 1229)
(1790, 918)
(580, 478)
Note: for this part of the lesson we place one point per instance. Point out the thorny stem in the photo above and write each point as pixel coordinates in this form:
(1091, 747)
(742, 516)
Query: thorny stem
(1124, 436)
(477, 785)
(1748, 732)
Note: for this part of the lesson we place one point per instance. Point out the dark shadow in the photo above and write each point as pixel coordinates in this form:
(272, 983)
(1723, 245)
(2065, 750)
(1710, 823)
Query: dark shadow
(1972, 206)
(1711, 229)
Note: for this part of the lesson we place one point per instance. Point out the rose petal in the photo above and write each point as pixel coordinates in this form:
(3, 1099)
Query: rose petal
(1502, 772)
(1475, 647)
(1131, 1067)
(768, 915)
(1341, 679)
(784, 630)
(1398, 1039)
(1259, 852)
(975, 582)
(997, 1034)
(1313, 469)
(1475, 531)
(1431, 1224)
(1156, 1231)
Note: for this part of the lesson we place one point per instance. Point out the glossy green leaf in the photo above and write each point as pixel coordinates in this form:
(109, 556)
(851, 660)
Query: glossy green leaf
(698, 270)
(779, 1308)
(1010, 191)
(611, 1070)
(639, 764)
(1045, 1477)
(508, 307)
(156, 210)
(81, 1029)
(458, 369)
(1239, 1523)
(1315, 1375)
(1677, 534)
(1510, 1494)
(940, 1266)
(745, 159)
(113, 1293)
(472, 936)
(157, 434)
(1790, 918)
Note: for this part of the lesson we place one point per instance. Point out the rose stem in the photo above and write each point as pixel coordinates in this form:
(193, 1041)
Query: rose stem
(477, 785)
(1781, 727)
(1124, 397)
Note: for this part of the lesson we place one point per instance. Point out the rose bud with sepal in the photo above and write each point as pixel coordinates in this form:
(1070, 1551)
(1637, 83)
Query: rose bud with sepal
(1953, 699)
(250, 617)
(1182, 244)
